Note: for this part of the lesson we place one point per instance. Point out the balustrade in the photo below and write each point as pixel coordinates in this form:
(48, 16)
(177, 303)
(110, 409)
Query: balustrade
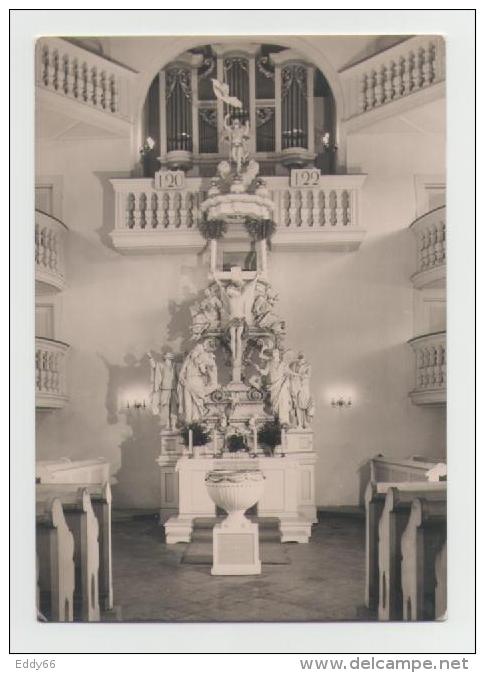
(430, 371)
(430, 233)
(50, 373)
(410, 66)
(326, 214)
(76, 74)
(49, 251)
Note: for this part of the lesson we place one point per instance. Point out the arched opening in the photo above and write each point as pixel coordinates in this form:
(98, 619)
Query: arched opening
(286, 99)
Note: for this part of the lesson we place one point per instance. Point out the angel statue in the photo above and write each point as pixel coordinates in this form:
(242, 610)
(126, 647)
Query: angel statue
(237, 135)
(237, 301)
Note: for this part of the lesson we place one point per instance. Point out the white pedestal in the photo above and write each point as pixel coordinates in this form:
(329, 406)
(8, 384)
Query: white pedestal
(236, 549)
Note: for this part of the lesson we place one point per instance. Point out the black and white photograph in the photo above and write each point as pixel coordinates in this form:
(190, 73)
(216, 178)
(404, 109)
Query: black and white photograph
(241, 328)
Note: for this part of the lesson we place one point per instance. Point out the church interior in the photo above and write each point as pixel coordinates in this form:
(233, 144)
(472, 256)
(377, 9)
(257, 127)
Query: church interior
(240, 328)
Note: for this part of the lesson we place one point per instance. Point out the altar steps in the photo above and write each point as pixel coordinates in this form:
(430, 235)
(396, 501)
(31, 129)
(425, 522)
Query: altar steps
(268, 528)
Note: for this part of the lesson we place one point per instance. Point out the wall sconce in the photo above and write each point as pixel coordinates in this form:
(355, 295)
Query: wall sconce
(136, 405)
(340, 403)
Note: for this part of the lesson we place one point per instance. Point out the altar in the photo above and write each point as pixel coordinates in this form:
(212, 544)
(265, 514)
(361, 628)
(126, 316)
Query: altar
(289, 493)
(239, 399)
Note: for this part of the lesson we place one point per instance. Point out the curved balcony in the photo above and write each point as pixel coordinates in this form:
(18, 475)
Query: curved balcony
(430, 233)
(83, 86)
(49, 252)
(430, 378)
(50, 373)
(408, 74)
(324, 216)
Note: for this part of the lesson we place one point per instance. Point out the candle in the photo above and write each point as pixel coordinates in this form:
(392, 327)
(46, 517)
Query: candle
(283, 440)
(214, 440)
(191, 442)
(255, 438)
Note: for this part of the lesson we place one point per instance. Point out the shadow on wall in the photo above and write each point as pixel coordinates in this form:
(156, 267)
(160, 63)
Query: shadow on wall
(138, 477)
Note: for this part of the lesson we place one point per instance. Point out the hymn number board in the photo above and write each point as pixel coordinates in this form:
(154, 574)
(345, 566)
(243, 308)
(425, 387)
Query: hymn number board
(169, 180)
(305, 177)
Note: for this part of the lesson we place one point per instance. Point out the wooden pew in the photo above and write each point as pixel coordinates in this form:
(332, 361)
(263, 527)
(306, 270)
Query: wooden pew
(421, 541)
(440, 600)
(393, 521)
(83, 524)
(100, 495)
(375, 496)
(55, 554)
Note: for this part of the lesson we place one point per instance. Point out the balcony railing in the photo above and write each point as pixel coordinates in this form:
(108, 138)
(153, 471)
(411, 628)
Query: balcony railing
(50, 373)
(78, 75)
(49, 252)
(430, 379)
(430, 233)
(325, 216)
(412, 66)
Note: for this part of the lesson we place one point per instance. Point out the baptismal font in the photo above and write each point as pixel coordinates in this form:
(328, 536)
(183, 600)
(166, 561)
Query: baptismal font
(238, 374)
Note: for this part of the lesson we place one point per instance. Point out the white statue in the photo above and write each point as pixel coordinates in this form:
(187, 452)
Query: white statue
(237, 300)
(200, 321)
(197, 379)
(163, 398)
(237, 134)
(211, 306)
(263, 308)
(278, 373)
(302, 400)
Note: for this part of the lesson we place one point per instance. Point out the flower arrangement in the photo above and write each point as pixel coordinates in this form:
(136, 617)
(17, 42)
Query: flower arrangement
(212, 228)
(260, 229)
(269, 435)
(236, 442)
(200, 434)
(147, 147)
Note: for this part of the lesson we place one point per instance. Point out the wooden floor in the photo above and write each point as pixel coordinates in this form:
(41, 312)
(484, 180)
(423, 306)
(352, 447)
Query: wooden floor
(320, 581)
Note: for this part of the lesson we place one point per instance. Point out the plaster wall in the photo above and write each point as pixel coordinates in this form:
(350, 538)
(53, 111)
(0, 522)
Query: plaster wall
(351, 313)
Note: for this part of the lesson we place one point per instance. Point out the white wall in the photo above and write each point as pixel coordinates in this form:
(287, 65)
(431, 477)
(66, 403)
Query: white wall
(351, 313)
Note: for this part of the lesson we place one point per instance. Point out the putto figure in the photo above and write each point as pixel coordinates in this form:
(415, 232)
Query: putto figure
(237, 134)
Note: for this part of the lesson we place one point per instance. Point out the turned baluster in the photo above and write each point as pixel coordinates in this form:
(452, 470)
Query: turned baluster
(443, 241)
(75, 78)
(379, 89)
(43, 371)
(327, 210)
(388, 79)
(369, 91)
(103, 90)
(361, 96)
(37, 244)
(397, 83)
(306, 207)
(285, 199)
(425, 251)
(432, 63)
(189, 210)
(136, 211)
(339, 208)
(160, 211)
(84, 88)
(95, 87)
(45, 61)
(425, 67)
(90, 89)
(292, 209)
(113, 94)
(53, 251)
(439, 365)
(43, 248)
(177, 205)
(66, 75)
(37, 369)
(317, 212)
(434, 246)
(54, 78)
(406, 76)
(416, 76)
